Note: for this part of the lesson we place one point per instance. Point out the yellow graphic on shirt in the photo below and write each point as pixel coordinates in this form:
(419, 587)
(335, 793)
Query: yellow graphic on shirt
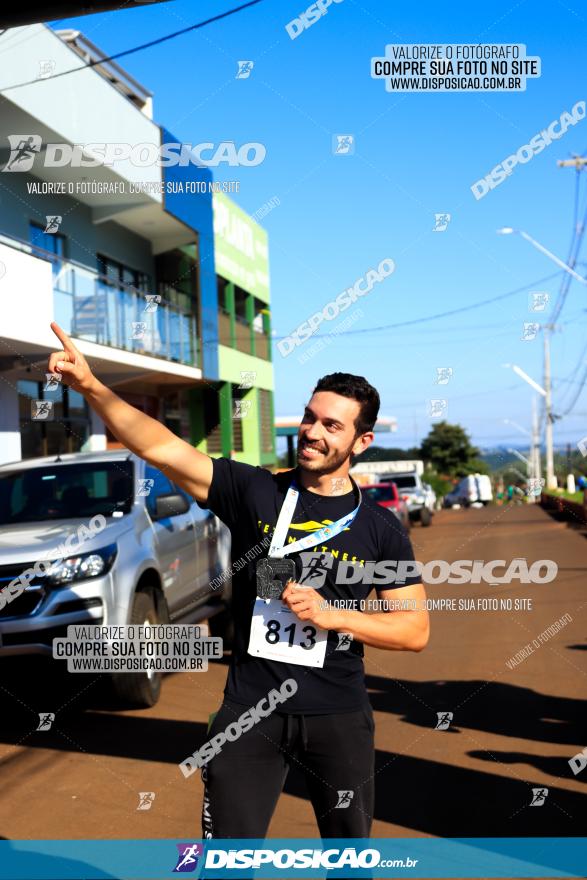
(312, 526)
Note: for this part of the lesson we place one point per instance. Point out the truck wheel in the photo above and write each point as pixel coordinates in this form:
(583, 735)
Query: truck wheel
(139, 690)
(425, 517)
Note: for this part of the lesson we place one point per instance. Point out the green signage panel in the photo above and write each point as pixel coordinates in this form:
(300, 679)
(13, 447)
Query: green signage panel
(241, 248)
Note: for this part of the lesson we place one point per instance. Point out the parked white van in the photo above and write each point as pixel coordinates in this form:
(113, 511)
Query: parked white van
(474, 487)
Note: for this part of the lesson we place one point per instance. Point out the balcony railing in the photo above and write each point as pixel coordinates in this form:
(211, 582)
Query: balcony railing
(214, 440)
(242, 340)
(262, 346)
(224, 336)
(91, 306)
(242, 334)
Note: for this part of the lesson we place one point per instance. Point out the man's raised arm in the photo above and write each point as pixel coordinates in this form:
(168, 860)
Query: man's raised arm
(144, 436)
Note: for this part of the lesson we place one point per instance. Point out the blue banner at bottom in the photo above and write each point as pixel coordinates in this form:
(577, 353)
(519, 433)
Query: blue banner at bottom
(376, 858)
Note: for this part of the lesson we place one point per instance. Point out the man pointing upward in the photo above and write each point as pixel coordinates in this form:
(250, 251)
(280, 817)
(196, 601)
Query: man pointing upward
(316, 519)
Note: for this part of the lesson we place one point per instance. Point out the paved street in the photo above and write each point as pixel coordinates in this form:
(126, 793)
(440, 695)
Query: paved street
(512, 730)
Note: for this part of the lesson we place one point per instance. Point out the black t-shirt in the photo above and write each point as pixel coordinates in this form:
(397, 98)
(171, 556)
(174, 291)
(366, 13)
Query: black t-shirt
(248, 500)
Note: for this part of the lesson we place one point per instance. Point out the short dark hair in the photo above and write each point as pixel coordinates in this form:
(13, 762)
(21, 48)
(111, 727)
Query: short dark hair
(357, 388)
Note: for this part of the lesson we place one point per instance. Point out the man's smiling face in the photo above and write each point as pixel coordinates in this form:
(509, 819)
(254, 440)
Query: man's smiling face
(328, 434)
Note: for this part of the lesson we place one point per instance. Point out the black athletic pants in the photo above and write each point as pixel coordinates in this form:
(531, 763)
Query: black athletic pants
(243, 782)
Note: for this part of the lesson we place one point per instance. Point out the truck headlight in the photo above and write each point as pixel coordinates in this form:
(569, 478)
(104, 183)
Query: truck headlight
(82, 566)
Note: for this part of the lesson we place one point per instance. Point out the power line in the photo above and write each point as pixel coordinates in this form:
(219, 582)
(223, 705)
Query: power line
(576, 241)
(574, 249)
(439, 315)
(569, 379)
(576, 397)
(566, 380)
(447, 340)
(117, 55)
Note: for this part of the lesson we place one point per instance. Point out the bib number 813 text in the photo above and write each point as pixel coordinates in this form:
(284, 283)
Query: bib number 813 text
(272, 636)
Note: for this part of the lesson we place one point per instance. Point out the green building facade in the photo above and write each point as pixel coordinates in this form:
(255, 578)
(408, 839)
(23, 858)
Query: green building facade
(235, 417)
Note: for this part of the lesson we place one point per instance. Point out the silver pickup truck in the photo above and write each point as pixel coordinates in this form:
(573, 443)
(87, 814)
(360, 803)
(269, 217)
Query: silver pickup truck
(415, 493)
(89, 538)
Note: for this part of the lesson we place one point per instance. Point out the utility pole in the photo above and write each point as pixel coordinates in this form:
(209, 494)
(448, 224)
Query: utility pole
(535, 440)
(578, 163)
(550, 477)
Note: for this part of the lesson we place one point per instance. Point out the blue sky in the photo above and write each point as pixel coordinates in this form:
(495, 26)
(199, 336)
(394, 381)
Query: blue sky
(415, 155)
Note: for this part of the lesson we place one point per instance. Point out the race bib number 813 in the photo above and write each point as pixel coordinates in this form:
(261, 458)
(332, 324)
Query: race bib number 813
(277, 634)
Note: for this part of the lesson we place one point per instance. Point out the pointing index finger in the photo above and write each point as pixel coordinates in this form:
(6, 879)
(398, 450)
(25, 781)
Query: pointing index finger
(62, 336)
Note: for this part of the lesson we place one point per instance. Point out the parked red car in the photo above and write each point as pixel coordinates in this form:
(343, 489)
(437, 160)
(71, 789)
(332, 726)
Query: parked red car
(387, 495)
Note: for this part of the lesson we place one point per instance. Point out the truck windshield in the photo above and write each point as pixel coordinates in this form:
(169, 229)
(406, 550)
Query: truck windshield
(405, 482)
(66, 491)
(380, 493)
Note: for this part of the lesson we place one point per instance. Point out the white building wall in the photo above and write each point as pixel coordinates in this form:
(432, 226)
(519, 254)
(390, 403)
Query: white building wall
(68, 105)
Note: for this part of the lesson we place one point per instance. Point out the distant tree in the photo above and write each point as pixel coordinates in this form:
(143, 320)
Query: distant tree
(386, 453)
(449, 450)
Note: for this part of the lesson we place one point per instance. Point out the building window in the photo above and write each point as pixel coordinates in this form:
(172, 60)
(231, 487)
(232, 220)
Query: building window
(51, 242)
(67, 431)
(177, 283)
(122, 276)
(212, 426)
(240, 303)
(105, 313)
(240, 411)
(176, 414)
(53, 245)
(262, 348)
(221, 288)
(265, 420)
(242, 326)
(224, 318)
(172, 413)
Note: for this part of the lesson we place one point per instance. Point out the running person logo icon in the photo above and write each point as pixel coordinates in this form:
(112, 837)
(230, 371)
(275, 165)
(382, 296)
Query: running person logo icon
(343, 144)
(315, 567)
(146, 799)
(41, 410)
(53, 222)
(441, 222)
(152, 301)
(444, 719)
(443, 375)
(244, 69)
(539, 796)
(46, 719)
(52, 381)
(187, 860)
(344, 800)
(23, 149)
